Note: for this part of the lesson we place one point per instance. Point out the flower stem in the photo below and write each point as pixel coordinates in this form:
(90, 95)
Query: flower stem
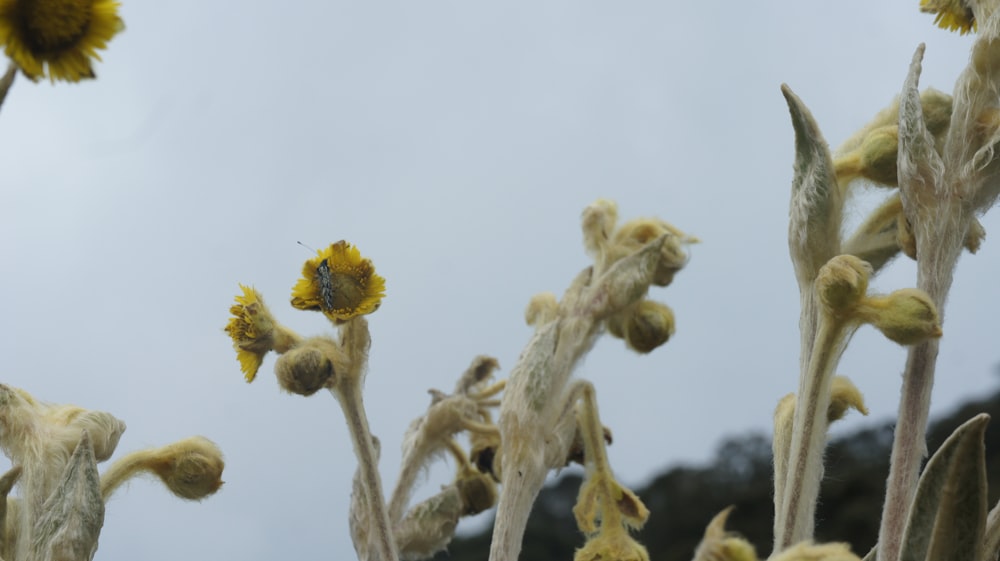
(908, 446)
(348, 393)
(794, 522)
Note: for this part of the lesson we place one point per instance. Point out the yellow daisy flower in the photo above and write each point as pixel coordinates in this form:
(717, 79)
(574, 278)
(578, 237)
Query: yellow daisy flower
(57, 38)
(252, 330)
(340, 283)
(953, 15)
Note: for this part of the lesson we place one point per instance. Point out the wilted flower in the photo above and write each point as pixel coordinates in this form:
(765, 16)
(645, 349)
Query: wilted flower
(57, 38)
(340, 283)
(252, 330)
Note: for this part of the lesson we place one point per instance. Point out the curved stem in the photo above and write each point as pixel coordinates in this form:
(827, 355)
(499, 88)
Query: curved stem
(122, 470)
(348, 393)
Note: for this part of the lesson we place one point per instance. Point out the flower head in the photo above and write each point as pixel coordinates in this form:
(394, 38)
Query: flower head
(340, 283)
(251, 328)
(953, 15)
(57, 38)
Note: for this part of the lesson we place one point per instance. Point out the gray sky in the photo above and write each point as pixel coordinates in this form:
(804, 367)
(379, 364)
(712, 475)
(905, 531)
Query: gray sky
(456, 144)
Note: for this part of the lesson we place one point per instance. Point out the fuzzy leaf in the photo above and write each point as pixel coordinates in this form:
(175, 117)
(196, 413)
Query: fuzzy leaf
(72, 516)
(948, 516)
(920, 166)
(626, 281)
(816, 205)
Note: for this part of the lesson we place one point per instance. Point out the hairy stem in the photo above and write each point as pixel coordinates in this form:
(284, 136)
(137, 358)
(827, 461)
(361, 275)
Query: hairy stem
(122, 470)
(908, 446)
(348, 393)
(794, 522)
(938, 252)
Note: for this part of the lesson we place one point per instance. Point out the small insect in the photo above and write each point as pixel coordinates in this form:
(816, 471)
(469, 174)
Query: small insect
(325, 281)
(326, 291)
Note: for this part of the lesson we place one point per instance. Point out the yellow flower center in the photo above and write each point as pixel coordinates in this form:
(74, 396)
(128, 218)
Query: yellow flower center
(348, 288)
(54, 25)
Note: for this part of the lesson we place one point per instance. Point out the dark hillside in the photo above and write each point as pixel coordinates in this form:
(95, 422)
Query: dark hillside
(683, 499)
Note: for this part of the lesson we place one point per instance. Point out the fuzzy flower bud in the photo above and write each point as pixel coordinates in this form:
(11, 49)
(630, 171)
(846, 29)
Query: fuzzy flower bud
(872, 153)
(478, 492)
(907, 316)
(190, 468)
(878, 155)
(542, 309)
(613, 544)
(649, 325)
(306, 369)
(842, 283)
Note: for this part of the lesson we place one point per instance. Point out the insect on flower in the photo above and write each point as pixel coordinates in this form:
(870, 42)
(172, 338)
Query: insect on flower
(338, 282)
(325, 282)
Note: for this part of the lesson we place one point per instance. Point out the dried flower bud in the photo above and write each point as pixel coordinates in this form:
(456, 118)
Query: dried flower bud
(190, 468)
(842, 283)
(599, 493)
(907, 316)
(613, 544)
(937, 107)
(306, 369)
(542, 309)
(478, 491)
(483, 453)
(877, 158)
(974, 236)
(648, 325)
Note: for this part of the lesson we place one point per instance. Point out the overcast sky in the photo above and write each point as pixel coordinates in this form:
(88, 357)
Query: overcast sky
(456, 144)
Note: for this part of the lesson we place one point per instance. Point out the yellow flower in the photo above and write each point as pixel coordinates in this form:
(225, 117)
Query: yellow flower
(251, 328)
(953, 15)
(57, 38)
(340, 283)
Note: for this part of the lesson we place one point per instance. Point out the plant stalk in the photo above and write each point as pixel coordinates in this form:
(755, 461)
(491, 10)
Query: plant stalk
(795, 520)
(348, 393)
